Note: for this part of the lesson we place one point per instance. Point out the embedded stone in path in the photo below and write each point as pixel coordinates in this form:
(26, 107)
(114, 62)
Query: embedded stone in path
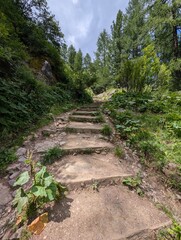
(76, 142)
(6, 196)
(88, 109)
(112, 213)
(87, 169)
(79, 112)
(77, 118)
(84, 127)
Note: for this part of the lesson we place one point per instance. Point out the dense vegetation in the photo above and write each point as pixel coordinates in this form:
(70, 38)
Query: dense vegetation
(143, 48)
(29, 36)
(141, 58)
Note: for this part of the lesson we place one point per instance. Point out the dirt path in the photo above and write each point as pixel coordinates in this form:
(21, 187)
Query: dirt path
(98, 206)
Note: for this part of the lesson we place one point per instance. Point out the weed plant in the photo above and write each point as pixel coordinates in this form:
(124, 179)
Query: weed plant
(119, 152)
(52, 155)
(106, 130)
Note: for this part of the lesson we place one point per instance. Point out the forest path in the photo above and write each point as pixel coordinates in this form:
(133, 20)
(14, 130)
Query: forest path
(98, 206)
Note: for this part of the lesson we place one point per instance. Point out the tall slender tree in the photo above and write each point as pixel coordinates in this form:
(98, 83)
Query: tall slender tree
(117, 42)
(78, 63)
(134, 22)
(71, 56)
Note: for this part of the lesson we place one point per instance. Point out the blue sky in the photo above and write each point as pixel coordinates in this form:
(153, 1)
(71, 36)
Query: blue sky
(82, 21)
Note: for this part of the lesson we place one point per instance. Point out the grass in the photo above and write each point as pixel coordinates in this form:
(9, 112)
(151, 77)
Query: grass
(154, 132)
(7, 156)
(52, 155)
(118, 152)
(106, 130)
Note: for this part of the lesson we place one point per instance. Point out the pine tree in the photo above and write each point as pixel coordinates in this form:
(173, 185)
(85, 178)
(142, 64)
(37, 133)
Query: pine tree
(134, 23)
(71, 56)
(87, 61)
(116, 42)
(78, 63)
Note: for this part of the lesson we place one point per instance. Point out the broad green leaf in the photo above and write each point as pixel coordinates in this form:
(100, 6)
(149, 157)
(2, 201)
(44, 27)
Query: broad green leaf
(48, 180)
(40, 174)
(50, 195)
(21, 203)
(22, 179)
(39, 191)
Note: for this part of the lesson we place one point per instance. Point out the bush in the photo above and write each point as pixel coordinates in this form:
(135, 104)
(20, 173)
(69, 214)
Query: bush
(52, 155)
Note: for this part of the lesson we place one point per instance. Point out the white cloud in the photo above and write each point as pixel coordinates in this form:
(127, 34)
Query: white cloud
(71, 40)
(75, 1)
(82, 21)
(83, 26)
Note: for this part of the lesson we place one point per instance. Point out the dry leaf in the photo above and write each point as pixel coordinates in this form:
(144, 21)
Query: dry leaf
(38, 225)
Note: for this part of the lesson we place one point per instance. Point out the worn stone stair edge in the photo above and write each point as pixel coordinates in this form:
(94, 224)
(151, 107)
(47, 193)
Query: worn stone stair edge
(101, 182)
(91, 113)
(89, 109)
(146, 233)
(76, 118)
(86, 150)
(82, 130)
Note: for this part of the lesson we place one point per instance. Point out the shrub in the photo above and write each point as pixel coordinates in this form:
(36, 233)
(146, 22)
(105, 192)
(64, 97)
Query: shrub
(52, 155)
(106, 130)
(43, 189)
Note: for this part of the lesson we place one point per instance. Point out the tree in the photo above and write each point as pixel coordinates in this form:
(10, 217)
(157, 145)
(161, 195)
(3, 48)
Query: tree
(163, 22)
(134, 23)
(78, 63)
(103, 47)
(116, 42)
(87, 61)
(71, 56)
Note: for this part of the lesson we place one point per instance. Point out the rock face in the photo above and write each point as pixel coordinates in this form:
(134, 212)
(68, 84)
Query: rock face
(47, 70)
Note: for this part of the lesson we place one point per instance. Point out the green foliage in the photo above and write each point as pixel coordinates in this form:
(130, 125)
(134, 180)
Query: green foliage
(43, 189)
(99, 117)
(144, 71)
(175, 66)
(7, 156)
(174, 232)
(52, 155)
(151, 125)
(134, 183)
(106, 130)
(119, 152)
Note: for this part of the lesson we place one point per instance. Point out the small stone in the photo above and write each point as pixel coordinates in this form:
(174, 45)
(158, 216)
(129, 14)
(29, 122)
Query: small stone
(13, 167)
(98, 151)
(5, 192)
(104, 153)
(62, 143)
(13, 194)
(14, 175)
(178, 196)
(21, 159)
(170, 169)
(21, 152)
(11, 182)
(63, 134)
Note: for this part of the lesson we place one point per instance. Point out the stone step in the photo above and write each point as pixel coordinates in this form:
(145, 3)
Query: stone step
(84, 113)
(88, 109)
(85, 170)
(111, 213)
(77, 118)
(80, 127)
(81, 143)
